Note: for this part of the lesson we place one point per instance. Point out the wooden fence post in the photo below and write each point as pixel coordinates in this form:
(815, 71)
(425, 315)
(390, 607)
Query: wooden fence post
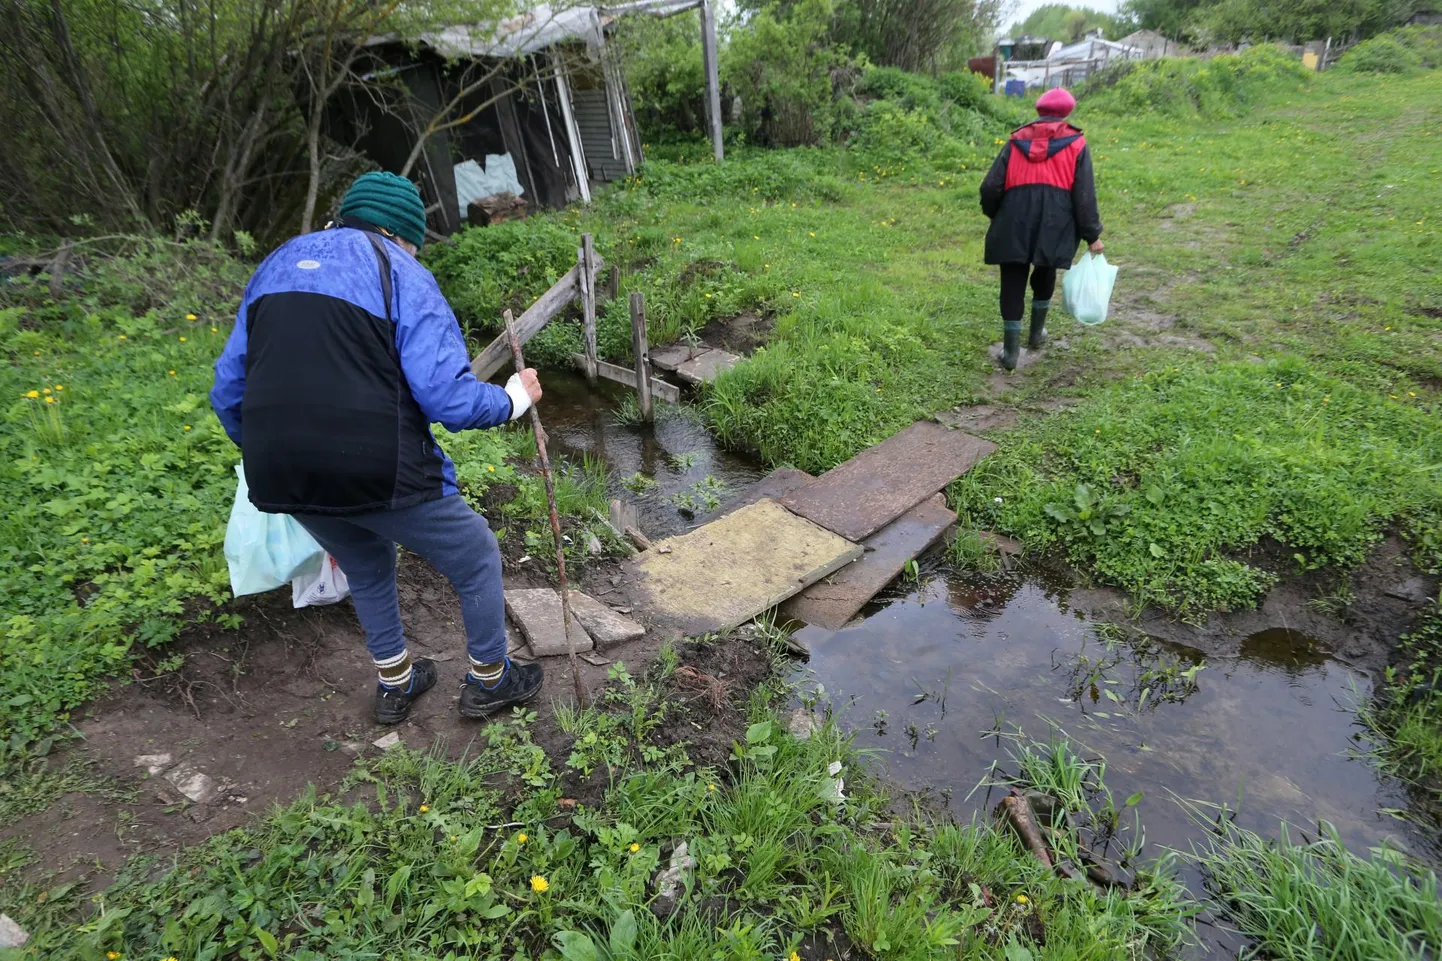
(643, 357)
(586, 258)
(613, 285)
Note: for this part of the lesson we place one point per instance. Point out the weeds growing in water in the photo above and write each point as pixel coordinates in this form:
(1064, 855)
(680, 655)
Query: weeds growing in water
(701, 497)
(639, 483)
(1314, 899)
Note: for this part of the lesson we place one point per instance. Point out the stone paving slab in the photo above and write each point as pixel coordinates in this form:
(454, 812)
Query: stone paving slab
(672, 356)
(537, 612)
(724, 573)
(858, 498)
(605, 626)
(837, 599)
(706, 366)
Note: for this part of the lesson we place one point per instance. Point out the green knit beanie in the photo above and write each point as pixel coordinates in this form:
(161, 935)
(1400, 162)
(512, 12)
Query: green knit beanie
(387, 201)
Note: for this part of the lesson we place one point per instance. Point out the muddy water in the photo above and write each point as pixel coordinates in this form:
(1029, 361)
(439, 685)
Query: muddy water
(942, 680)
(677, 453)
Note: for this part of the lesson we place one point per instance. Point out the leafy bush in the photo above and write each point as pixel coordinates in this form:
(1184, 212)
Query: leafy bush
(662, 60)
(1425, 41)
(1220, 87)
(782, 68)
(485, 270)
(1382, 54)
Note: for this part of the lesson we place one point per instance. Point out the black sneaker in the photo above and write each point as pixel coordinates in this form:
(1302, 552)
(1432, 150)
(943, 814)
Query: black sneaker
(519, 684)
(394, 705)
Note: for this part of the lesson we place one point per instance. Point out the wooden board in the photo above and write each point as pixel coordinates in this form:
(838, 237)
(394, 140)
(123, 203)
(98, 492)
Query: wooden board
(723, 574)
(781, 481)
(860, 497)
(837, 599)
(661, 390)
(498, 352)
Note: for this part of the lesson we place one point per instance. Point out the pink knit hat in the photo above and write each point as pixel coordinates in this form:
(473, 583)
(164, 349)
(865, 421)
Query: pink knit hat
(1056, 102)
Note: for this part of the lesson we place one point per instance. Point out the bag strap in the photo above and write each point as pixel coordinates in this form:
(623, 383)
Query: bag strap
(383, 261)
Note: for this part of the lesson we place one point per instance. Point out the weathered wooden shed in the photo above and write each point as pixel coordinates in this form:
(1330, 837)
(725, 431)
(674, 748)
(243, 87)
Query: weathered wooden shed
(550, 119)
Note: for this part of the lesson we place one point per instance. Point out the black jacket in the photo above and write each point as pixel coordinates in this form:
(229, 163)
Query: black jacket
(1040, 196)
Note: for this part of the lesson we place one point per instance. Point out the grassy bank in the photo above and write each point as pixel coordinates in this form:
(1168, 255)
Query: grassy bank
(794, 854)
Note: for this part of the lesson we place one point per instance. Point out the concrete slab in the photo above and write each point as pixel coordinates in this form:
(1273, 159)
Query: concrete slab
(672, 356)
(537, 612)
(836, 600)
(154, 763)
(12, 935)
(194, 784)
(724, 573)
(706, 366)
(605, 626)
(387, 741)
(874, 488)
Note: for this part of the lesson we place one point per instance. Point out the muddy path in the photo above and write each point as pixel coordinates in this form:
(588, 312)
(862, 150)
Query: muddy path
(254, 716)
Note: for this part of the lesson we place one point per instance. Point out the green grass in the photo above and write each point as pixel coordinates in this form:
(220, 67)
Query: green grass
(1315, 899)
(1405, 717)
(428, 858)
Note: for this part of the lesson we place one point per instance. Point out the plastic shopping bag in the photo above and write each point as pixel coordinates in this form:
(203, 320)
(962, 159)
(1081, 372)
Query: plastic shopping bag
(265, 551)
(1087, 288)
(326, 586)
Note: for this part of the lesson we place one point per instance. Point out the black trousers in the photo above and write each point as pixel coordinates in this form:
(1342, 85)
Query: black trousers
(1013, 287)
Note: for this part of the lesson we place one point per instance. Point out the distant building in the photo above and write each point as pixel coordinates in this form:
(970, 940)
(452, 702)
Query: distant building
(1152, 44)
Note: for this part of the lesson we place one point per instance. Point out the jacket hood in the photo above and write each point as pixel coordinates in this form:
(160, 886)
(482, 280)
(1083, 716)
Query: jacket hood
(1042, 139)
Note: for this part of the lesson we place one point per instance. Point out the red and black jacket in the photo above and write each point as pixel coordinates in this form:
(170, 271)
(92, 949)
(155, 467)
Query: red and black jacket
(1040, 196)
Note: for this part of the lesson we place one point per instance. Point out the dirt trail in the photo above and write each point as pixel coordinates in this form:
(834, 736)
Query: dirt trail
(254, 716)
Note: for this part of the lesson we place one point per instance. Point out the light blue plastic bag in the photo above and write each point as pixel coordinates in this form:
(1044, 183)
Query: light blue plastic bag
(265, 551)
(1087, 288)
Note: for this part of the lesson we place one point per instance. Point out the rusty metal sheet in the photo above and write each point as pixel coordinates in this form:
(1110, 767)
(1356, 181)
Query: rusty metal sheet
(726, 572)
(830, 603)
(860, 497)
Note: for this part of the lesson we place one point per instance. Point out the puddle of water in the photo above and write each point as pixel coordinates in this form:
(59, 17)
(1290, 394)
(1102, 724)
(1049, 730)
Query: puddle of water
(1269, 733)
(677, 452)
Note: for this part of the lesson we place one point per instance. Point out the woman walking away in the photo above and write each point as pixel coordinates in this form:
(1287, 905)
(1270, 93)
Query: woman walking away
(1040, 197)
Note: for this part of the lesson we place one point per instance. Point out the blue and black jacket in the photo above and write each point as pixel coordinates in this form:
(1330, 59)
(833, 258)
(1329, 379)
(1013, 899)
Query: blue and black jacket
(344, 352)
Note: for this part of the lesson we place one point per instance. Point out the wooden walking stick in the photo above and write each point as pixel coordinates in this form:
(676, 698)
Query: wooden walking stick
(555, 518)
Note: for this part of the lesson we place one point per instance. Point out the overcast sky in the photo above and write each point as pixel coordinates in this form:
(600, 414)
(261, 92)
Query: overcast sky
(1021, 8)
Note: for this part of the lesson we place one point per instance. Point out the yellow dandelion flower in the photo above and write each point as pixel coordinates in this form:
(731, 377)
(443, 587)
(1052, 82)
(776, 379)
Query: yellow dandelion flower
(59, 388)
(112, 955)
(813, 233)
(172, 373)
(794, 957)
(215, 330)
(172, 958)
(182, 340)
(191, 317)
(49, 400)
(1022, 899)
(522, 838)
(122, 337)
(711, 788)
(32, 394)
(795, 294)
(47, 390)
(85, 540)
(635, 847)
(755, 236)
(491, 468)
(424, 807)
(539, 884)
(186, 428)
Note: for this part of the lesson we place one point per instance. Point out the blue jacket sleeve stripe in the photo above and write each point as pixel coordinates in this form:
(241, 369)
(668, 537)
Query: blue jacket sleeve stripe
(433, 354)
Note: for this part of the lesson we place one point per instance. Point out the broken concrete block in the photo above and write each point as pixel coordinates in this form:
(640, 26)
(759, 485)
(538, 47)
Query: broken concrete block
(706, 366)
(153, 763)
(12, 935)
(802, 723)
(387, 741)
(537, 612)
(196, 785)
(671, 882)
(603, 624)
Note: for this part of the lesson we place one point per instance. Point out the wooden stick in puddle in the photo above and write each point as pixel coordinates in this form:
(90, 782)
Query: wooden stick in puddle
(555, 517)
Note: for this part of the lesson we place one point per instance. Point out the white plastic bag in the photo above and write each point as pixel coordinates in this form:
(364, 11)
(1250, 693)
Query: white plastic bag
(326, 586)
(265, 551)
(1087, 288)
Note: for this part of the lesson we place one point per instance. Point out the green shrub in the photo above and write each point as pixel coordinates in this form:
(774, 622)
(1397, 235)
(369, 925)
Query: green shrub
(1382, 54)
(1425, 41)
(1223, 86)
(485, 270)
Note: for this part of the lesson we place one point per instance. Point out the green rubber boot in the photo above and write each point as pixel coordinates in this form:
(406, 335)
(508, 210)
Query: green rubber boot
(1037, 336)
(1010, 343)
